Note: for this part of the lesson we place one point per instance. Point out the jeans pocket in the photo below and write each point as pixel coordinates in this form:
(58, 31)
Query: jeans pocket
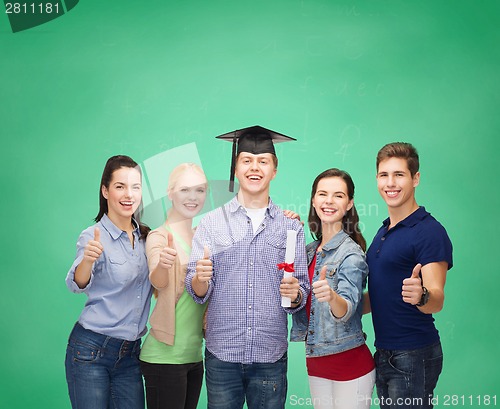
(85, 353)
(433, 367)
(208, 355)
(272, 393)
(402, 362)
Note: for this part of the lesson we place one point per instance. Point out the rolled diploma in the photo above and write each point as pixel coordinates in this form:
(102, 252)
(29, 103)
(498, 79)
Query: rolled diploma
(291, 243)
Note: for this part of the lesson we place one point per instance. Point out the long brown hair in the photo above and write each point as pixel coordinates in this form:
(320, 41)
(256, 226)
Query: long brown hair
(350, 221)
(115, 163)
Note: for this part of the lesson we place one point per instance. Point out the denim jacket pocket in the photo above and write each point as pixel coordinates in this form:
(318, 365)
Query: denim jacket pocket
(331, 274)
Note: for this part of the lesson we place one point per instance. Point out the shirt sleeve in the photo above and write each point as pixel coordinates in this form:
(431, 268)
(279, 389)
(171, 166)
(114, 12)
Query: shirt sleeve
(434, 245)
(84, 238)
(155, 243)
(352, 278)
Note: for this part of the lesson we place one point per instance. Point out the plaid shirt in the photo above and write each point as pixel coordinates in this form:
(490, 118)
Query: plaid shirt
(245, 320)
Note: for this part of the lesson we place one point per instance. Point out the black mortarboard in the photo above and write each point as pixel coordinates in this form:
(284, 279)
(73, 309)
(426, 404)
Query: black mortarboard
(254, 140)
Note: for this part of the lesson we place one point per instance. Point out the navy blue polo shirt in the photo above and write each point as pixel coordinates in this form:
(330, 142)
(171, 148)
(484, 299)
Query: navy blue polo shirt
(419, 238)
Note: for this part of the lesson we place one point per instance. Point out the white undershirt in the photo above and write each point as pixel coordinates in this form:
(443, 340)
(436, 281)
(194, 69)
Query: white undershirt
(257, 216)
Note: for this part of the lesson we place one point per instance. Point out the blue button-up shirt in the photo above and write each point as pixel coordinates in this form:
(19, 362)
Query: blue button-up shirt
(119, 291)
(245, 320)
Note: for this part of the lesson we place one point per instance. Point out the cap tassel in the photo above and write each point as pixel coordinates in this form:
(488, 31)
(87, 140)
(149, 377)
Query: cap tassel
(233, 164)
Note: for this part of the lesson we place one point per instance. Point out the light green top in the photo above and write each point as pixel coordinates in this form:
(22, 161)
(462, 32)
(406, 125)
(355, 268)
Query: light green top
(188, 341)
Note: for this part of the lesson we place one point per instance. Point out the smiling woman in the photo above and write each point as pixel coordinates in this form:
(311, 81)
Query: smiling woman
(187, 190)
(171, 359)
(110, 268)
(339, 363)
(123, 197)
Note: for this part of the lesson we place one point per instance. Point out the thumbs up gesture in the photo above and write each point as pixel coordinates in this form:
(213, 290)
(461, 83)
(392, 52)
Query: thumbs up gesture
(168, 254)
(204, 267)
(93, 249)
(412, 287)
(321, 290)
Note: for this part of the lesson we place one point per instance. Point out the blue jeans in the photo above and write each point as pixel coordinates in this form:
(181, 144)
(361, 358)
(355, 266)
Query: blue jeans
(264, 386)
(406, 379)
(103, 372)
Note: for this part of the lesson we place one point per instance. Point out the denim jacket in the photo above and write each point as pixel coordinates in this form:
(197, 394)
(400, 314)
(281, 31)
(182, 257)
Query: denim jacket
(346, 273)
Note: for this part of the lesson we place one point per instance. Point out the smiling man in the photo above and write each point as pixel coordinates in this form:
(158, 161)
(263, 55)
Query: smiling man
(233, 267)
(408, 261)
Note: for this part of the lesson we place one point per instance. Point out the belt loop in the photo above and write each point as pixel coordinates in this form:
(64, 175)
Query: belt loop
(137, 345)
(105, 344)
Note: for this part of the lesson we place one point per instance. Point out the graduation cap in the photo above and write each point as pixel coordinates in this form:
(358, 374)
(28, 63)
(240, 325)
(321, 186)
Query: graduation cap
(254, 140)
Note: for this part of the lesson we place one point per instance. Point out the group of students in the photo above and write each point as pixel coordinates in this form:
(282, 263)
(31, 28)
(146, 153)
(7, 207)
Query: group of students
(223, 283)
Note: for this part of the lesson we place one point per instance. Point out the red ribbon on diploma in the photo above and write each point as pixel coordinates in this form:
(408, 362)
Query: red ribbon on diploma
(288, 267)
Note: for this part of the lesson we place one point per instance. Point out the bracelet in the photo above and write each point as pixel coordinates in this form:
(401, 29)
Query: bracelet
(298, 299)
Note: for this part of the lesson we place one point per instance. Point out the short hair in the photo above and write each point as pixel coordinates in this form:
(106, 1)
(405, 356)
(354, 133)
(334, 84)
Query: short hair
(275, 159)
(401, 150)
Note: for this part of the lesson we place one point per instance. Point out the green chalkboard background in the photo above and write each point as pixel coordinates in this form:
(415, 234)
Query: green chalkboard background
(144, 78)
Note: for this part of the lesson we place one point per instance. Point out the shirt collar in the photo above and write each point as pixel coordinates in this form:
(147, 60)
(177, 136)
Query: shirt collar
(336, 240)
(114, 231)
(412, 219)
(272, 209)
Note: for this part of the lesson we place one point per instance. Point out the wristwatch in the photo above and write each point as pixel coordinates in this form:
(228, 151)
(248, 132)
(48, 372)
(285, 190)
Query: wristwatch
(299, 297)
(425, 297)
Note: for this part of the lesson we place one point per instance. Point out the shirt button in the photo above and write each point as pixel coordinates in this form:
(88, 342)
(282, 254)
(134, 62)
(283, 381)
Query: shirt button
(383, 238)
(249, 328)
(250, 285)
(249, 307)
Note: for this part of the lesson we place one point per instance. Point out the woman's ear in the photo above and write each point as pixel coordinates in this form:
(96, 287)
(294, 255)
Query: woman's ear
(350, 204)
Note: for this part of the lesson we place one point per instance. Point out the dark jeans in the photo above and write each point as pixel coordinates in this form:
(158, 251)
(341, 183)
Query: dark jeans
(172, 386)
(406, 379)
(103, 372)
(228, 384)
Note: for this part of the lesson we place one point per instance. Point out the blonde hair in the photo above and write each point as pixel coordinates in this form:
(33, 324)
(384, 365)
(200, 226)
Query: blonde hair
(179, 170)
